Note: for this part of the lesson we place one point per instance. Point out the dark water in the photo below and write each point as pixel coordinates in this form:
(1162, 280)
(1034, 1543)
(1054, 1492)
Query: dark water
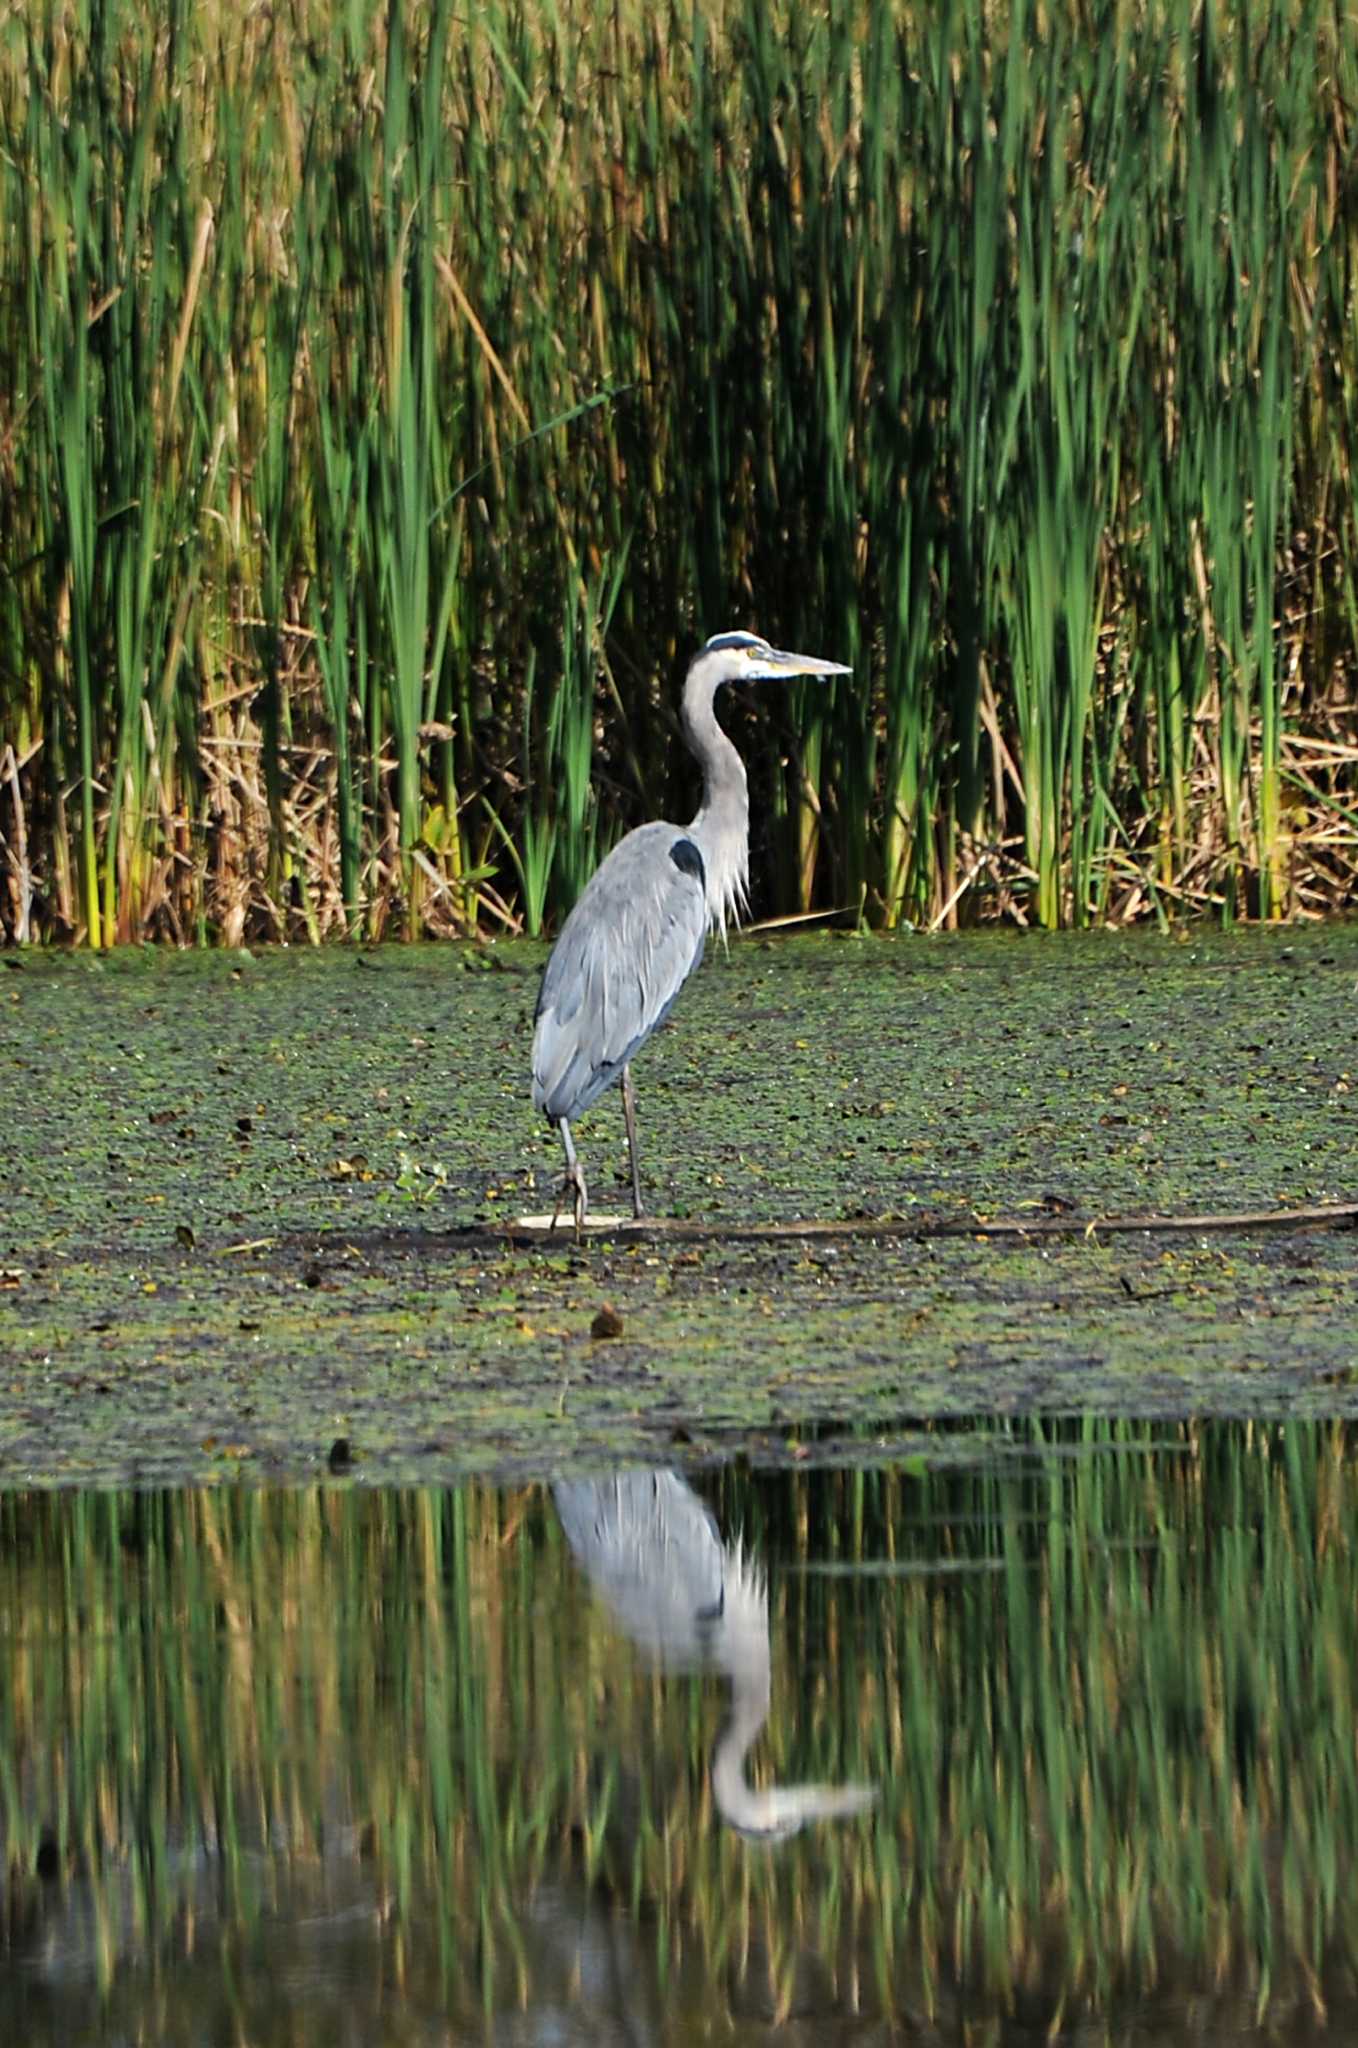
(1046, 1734)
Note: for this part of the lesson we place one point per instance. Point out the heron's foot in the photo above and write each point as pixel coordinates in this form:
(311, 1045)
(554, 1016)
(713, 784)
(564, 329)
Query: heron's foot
(573, 1184)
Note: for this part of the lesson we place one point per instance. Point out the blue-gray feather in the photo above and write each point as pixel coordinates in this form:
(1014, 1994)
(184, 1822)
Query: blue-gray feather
(625, 951)
(654, 1553)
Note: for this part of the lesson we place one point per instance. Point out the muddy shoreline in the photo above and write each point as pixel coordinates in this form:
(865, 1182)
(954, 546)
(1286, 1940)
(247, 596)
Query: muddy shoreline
(256, 1206)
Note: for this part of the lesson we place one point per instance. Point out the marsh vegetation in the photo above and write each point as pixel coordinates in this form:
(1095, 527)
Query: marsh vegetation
(394, 396)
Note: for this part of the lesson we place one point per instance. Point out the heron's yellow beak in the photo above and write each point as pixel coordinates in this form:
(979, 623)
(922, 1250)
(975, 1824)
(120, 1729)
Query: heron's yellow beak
(778, 665)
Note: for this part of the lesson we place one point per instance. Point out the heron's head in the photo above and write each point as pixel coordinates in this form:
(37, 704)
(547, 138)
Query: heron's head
(745, 658)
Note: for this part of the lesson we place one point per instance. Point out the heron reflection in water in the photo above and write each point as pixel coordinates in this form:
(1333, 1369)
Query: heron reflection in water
(655, 1557)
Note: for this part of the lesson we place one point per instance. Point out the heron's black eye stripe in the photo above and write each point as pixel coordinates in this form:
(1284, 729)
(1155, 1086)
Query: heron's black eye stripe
(689, 861)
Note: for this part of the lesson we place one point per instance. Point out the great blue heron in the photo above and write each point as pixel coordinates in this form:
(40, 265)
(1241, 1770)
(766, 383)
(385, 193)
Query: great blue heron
(637, 932)
(655, 1556)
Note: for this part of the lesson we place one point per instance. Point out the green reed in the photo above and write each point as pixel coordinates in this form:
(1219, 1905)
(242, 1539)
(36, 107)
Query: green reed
(1102, 1677)
(371, 369)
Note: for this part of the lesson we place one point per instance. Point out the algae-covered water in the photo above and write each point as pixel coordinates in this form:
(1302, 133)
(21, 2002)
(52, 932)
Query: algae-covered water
(248, 1202)
(1044, 1733)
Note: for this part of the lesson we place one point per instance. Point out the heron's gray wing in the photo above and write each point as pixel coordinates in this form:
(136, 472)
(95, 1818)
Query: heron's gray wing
(623, 955)
(651, 1551)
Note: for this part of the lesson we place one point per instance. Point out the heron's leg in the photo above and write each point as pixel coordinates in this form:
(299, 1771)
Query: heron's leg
(575, 1178)
(629, 1111)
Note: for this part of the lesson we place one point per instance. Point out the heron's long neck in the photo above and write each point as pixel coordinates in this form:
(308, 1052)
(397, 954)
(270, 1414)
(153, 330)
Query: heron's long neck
(721, 830)
(737, 1800)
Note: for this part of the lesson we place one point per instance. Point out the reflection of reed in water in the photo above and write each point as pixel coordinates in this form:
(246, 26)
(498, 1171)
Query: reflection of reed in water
(654, 1555)
(242, 1726)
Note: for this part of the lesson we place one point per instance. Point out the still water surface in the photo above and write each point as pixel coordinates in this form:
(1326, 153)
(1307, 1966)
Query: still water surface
(1048, 1734)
